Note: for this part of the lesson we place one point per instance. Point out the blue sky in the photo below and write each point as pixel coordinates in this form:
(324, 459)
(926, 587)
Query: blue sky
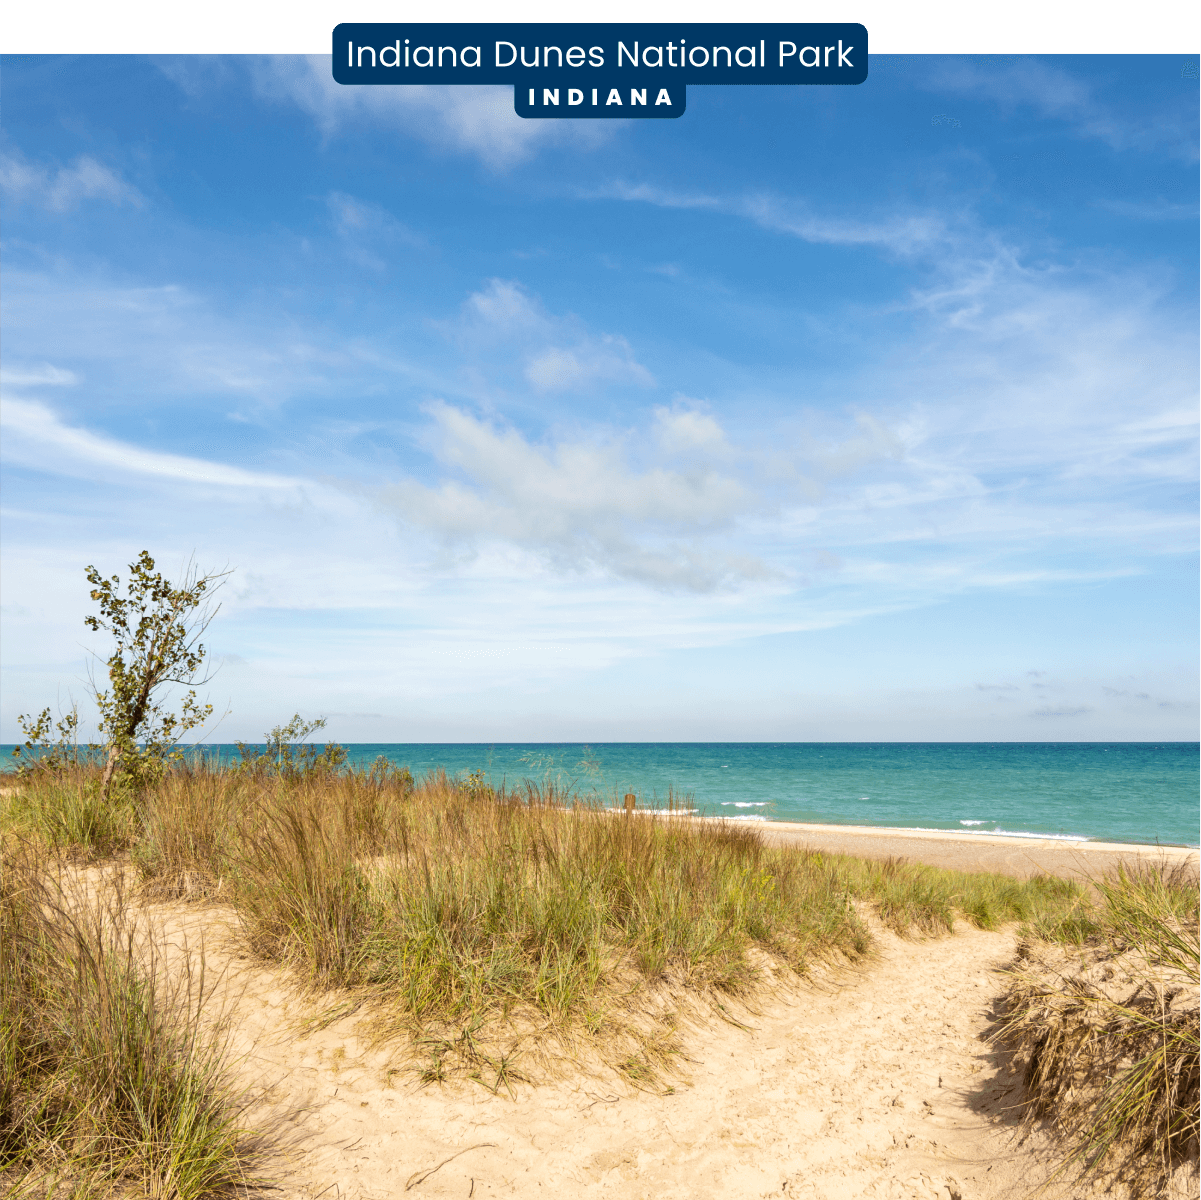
(858, 413)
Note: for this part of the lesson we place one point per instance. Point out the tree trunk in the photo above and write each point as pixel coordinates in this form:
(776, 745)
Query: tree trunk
(114, 757)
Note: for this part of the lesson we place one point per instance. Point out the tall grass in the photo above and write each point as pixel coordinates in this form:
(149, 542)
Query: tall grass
(64, 810)
(1111, 1036)
(454, 907)
(108, 1080)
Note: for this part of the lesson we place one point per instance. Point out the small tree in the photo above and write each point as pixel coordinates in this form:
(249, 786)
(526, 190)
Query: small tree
(157, 627)
(287, 754)
(44, 753)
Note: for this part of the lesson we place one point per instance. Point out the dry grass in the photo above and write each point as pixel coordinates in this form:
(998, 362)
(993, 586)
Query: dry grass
(111, 1080)
(453, 912)
(502, 935)
(1109, 1027)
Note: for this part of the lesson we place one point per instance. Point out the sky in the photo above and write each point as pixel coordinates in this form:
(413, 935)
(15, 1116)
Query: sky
(819, 414)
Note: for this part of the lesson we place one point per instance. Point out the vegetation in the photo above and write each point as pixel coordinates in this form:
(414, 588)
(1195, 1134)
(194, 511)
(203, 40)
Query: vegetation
(450, 905)
(482, 923)
(1104, 1009)
(157, 627)
(285, 752)
(109, 1083)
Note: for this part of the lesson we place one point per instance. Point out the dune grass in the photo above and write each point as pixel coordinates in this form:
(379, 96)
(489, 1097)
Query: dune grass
(451, 912)
(110, 1082)
(459, 903)
(1110, 1033)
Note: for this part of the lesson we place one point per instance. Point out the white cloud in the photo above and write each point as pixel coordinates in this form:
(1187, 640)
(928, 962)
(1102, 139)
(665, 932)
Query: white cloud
(368, 231)
(34, 432)
(477, 120)
(608, 359)
(873, 442)
(902, 234)
(684, 429)
(1150, 210)
(505, 306)
(29, 376)
(580, 505)
(558, 354)
(1056, 93)
(166, 341)
(65, 188)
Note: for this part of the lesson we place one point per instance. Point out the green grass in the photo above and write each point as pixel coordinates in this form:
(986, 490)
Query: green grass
(451, 906)
(64, 811)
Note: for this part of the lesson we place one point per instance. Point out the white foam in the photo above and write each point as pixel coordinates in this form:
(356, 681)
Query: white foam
(1013, 833)
(745, 803)
(973, 822)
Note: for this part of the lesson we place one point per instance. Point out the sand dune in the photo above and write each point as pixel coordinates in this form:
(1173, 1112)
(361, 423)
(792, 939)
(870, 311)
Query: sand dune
(875, 1082)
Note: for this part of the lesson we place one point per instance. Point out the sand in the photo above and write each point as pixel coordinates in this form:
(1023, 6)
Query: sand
(876, 1081)
(1020, 856)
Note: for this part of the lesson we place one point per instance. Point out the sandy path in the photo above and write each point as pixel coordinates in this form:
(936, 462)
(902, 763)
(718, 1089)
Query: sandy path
(878, 1085)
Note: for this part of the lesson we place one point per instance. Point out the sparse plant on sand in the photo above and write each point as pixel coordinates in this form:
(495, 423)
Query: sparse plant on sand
(111, 1078)
(504, 931)
(50, 747)
(445, 903)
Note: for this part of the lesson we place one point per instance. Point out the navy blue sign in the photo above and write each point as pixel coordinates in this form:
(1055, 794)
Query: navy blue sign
(613, 70)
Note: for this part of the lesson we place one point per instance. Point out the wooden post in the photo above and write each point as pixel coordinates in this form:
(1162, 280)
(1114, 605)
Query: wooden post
(631, 800)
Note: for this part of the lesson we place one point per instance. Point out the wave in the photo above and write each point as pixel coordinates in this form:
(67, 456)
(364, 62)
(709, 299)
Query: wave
(1013, 833)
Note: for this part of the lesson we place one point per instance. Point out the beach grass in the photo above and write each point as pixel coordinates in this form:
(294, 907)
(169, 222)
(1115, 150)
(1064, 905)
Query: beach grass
(480, 925)
(1104, 1009)
(111, 1078)
(459, 903)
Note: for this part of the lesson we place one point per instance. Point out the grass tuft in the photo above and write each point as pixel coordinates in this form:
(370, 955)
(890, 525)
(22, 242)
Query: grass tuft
(108, 1081)
(1109, 1027)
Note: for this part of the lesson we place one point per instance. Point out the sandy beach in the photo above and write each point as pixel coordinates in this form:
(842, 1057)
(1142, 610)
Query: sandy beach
(880, 1079)
(1018, 856)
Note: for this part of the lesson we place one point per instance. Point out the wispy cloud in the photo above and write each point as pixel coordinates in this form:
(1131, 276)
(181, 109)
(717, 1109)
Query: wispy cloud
(558, 353)
(901, 234)
(1055, 92)
(35, 435)
(368, 231)
(62, 189)
(1150, 210)
(42, 374)
(476, 120)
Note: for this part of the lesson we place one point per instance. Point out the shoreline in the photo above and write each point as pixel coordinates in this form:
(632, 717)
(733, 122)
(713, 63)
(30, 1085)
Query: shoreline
(1006, 854)
(1064, 841)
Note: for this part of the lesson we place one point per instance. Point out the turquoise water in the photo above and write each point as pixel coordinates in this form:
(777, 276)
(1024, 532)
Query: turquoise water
(1118, 791)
